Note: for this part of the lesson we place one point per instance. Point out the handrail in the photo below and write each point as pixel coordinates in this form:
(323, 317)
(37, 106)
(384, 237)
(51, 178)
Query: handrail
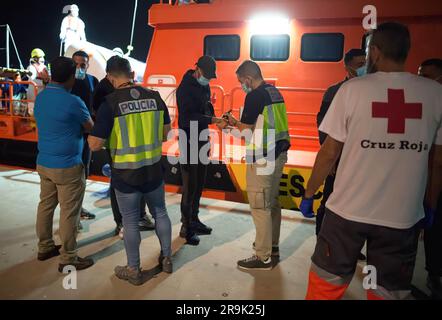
(11, 99)
(290, 113)
(174, 86)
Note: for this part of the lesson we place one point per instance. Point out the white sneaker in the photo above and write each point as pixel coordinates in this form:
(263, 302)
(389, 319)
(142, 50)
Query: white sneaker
(121, 233)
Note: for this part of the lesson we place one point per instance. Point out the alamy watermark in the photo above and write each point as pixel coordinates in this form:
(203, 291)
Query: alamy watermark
(70, 280)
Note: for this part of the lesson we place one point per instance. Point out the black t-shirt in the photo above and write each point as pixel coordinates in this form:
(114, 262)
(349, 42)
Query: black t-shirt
(254, 105)
(84, 90)
(102, 90)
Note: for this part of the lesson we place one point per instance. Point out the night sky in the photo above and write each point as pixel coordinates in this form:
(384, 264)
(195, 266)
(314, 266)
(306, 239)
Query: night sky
(108, 24)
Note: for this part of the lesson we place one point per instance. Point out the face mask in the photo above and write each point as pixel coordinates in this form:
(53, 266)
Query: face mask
(245, 88)
(203, 81)
(362, 71)
(80, 74)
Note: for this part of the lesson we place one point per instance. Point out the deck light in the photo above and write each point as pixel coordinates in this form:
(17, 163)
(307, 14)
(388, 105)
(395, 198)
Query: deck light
(269, 24)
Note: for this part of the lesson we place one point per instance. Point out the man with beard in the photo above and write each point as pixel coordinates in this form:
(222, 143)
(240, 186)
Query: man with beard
(372, 122)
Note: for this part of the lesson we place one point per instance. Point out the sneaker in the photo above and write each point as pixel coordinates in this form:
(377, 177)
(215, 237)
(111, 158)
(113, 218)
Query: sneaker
(275, 250)
(50, 254)
(79, 264)
(255, 263)
(362, 257)
(183, 231)
(435, 286)
(86, 215)
(200, 228)
(134, 276)
(145, 224)
(165, 264)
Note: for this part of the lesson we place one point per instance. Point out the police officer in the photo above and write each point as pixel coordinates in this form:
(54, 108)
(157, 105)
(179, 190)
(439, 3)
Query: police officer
(135, 121)
(264, 125)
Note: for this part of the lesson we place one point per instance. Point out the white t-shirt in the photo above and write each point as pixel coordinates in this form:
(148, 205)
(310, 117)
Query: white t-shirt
(388, 123)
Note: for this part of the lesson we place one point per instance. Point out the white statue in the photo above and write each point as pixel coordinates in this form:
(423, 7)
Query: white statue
(72, 27)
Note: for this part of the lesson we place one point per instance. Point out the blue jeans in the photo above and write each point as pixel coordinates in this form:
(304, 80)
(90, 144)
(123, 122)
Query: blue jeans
(129, 204)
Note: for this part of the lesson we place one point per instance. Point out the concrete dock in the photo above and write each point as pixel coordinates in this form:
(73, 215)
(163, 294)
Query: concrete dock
(207, 271)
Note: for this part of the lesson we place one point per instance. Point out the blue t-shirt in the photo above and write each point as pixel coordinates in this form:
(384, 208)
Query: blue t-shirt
(60, 117)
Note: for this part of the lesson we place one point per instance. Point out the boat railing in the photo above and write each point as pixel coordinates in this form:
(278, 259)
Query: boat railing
(16, 110)
(302, 125)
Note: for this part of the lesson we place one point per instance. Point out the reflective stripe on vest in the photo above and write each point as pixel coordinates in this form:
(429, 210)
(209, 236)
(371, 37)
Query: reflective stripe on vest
(136, 139)
(275, 119)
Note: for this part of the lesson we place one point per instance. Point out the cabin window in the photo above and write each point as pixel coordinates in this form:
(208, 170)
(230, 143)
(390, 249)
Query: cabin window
(322, 47)
(270, 47)
(222, 47)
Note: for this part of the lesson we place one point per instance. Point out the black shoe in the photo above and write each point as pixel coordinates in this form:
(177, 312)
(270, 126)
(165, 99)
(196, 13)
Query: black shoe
(254, 263)
(192, 239)
(200, 228)
(86, 215)
(165, 264)
(275, 250)
(183, 231)
(435, 286)
(362, 257)
(145, 224)
(50, 254)
(79, 264)
(118, 229)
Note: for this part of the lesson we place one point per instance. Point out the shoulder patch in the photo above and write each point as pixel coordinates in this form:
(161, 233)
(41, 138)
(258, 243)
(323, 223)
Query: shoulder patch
(134, 93)
(274, 94)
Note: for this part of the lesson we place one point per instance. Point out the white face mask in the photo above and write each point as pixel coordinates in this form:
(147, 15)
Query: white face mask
(203, 81)
(80, 74)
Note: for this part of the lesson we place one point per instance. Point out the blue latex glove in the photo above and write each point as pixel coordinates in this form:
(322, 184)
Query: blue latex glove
(306, 208)
(427, 221)
(106, 170)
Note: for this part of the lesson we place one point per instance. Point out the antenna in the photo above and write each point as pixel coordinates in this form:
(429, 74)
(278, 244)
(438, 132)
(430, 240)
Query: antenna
(9, 35)
(130, 47)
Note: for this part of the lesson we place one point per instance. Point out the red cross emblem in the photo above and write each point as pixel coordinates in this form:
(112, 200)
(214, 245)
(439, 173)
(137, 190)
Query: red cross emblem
(396, 110)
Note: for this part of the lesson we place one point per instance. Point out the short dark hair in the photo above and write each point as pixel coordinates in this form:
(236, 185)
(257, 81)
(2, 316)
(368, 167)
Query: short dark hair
(249, 68)
(393, 40)
(120, 67)
(80, 54)
(109, 62)
(62, 69)
(433, 62)
(353, 53)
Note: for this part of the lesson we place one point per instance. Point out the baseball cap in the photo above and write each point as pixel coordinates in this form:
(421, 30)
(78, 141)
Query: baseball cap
(208, 65)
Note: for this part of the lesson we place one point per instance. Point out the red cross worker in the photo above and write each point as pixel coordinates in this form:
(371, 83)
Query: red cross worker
(382, 126)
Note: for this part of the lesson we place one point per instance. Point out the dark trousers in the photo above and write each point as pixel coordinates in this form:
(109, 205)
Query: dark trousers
(86, 156)
(327, 191)
(433, 243)
(193, 178)
(391, 251)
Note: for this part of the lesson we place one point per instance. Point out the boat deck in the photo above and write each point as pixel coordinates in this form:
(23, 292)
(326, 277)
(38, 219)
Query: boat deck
(207, 271)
